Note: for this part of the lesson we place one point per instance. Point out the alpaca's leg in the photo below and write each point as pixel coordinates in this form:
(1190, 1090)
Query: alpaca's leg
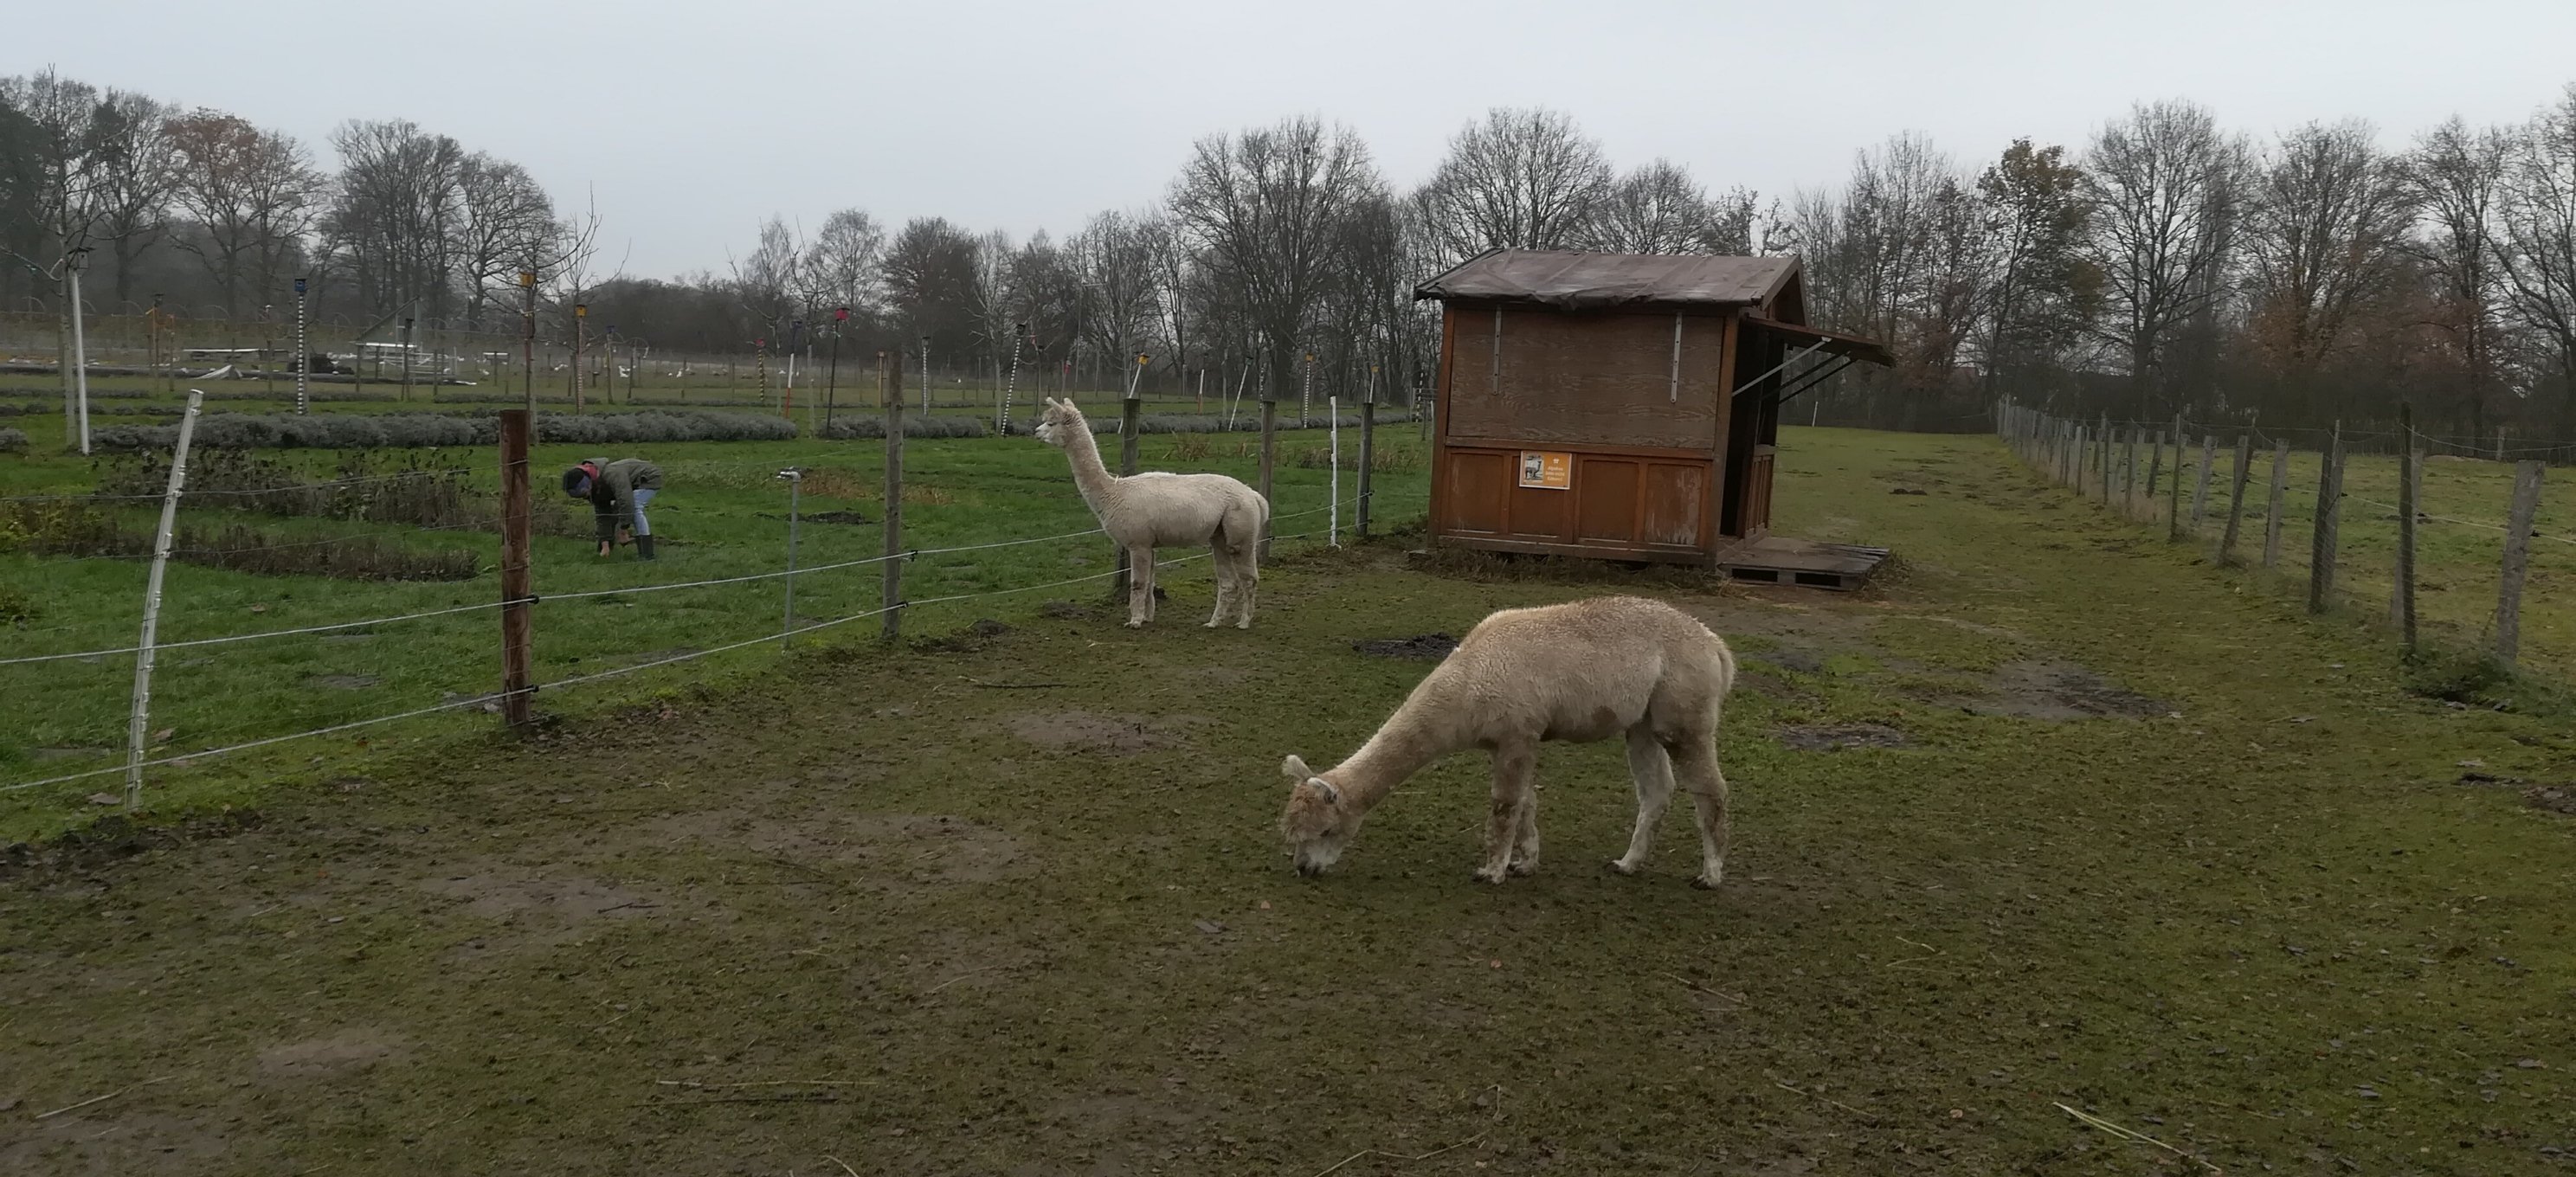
(1140, 586)
(1653, 770)
(1525, 844)
(1223, 560)
(1695, 762)
(1247, 576)
(1515, 783)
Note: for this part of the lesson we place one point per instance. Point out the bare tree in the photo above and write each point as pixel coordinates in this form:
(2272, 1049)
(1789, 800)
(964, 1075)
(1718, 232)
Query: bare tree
(1266, 207)
(1167, 252)
(251, 194)
(2538, 230)
(1521, 179)
(2322, 230)
(928, 275)
(2041, 297)
(503, 218)
(1659, 208)
(841, 266)
(1121, 298)
(766, 281)
(2166, 187)
(137, 168)
(62, 116)
(2456, 176)
(394, 214)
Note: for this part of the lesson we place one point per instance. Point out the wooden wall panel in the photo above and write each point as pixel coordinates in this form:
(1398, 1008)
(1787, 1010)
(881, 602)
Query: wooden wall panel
(1480, 485)
(1605, 491)
(1674, 505)
(1598, 378)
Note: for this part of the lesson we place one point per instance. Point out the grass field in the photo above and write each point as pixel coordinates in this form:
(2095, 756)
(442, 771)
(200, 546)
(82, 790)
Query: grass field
(723, 515)
(2056, 817)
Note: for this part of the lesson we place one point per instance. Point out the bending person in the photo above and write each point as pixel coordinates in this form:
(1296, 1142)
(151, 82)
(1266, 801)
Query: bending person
(618, 492)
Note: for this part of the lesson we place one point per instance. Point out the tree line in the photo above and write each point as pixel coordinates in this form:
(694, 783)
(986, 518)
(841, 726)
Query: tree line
(2167, 265)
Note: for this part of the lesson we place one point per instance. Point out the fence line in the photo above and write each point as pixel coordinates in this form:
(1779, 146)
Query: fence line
(2064, 451)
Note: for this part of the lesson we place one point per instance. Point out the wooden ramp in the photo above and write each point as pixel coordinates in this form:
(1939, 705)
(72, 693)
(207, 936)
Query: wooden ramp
(1803, 562)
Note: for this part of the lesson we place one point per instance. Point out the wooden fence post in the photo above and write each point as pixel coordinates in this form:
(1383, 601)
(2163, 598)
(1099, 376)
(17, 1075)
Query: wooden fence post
(892, 377)
(2155, 468)
(1269, 457)
(518, 628)
(2410, 488)
(2103, 442)
(1131, 427)
(2200, 483)
(2517, 559)
(2236, 500)
(2173, 487)
(2129, 472)
(2321, 543)
(1368, 457)
(2272, 514)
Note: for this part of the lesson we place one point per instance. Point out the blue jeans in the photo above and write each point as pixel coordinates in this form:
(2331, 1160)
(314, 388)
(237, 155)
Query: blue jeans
(642, 496)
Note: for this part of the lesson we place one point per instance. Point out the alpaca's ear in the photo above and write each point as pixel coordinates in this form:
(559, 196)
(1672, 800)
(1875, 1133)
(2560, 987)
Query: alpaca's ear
(1331, 794)
(1294, 768)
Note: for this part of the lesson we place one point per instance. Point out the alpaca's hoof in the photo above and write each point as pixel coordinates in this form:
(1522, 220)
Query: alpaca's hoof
(1490, 875)
(1246, 623)
(1524, 866)
(1135, 625)
(1621, 866)
(1705, 882)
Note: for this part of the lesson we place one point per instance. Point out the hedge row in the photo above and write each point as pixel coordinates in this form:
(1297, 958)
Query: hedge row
(354, 431)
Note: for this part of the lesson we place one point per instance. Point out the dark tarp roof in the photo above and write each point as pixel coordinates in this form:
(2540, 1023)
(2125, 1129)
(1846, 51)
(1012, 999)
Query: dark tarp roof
(1572, 281)
(1833, 343)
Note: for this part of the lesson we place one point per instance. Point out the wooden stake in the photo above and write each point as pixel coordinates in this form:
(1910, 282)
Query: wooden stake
(2410, 488)
(518, 621)
(1269, 456)
(2173, 489)
(2236, 499)
(2272, 513)
(2200, 484)
(2321, 543)
(893, 594)
(1368, 454)
(2517, 559)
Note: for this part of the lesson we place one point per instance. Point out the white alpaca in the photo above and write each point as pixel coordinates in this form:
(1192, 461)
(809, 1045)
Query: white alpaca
(1142, 512)
(1580, 672)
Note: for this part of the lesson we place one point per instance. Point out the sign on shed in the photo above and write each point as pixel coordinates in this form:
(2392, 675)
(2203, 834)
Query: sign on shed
(1547, 469)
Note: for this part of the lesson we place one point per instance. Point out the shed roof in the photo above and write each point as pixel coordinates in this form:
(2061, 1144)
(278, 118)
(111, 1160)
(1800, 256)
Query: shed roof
(1571, 280)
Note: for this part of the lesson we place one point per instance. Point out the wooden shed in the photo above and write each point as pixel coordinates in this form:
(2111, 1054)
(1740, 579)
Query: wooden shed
(1626, 406)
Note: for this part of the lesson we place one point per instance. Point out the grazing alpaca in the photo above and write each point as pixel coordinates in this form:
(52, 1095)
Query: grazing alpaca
(1582, 671)
(1142, 512)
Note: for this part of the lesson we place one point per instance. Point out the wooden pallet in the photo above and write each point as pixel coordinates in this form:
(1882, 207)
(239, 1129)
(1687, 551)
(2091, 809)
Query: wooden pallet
(1801, 562)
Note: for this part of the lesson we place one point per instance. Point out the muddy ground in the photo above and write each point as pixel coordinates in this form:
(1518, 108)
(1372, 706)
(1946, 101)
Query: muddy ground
(2101, 832)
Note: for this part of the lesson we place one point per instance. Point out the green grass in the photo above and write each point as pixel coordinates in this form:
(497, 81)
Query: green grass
(867, 906)
(723, 514)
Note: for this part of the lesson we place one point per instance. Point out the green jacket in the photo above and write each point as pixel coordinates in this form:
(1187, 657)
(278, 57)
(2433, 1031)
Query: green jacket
(613, 500)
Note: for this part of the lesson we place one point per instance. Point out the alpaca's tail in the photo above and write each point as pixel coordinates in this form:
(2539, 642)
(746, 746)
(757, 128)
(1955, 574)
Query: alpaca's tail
(1244, 521)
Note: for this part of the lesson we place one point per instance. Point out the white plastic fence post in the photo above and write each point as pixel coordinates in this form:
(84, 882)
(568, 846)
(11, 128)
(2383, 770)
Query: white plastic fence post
(140, 721)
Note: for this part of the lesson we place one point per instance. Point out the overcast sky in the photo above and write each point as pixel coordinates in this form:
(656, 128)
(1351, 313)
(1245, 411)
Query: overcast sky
(689, 122)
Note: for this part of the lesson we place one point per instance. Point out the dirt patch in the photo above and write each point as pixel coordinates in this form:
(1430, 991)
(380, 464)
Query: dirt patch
(342, 682)
(345, 1053)
(1427, 645)
(2053, 690)
(502, 896)
(1067, 611)
(105, 1142)
(1836, 737)
(2559, 798)
(922, 848)
(1084, 731)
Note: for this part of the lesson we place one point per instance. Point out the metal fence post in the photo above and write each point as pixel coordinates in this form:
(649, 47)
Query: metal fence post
(140, 720)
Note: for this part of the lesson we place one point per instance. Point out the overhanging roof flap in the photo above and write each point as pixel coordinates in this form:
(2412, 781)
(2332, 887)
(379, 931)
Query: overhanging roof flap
(1830, 342)
(1569, 280)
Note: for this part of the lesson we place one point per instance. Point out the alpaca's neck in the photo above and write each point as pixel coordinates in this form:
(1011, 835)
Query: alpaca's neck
(1089, 476)
(1409, 740)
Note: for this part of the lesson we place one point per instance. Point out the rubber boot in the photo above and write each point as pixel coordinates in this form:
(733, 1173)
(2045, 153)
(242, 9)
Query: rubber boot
(643, 547)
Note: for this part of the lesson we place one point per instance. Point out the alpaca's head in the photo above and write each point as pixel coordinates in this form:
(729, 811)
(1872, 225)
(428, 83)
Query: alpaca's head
(1057, 424)
(1319, 824)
